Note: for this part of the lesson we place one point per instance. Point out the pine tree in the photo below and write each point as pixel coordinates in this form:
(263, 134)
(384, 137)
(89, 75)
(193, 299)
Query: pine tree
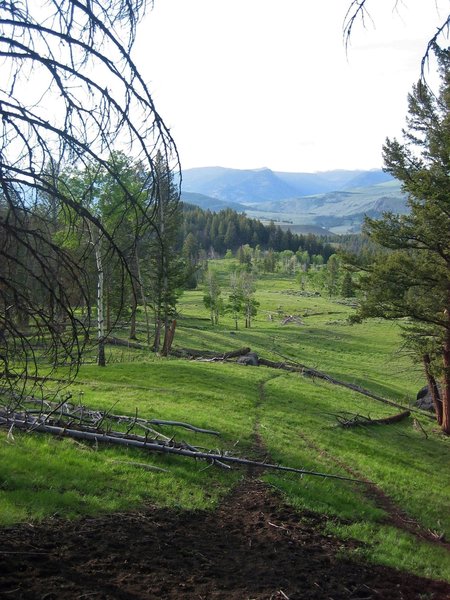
(167, 270)
(332, 275)
(347, 288)
(413, 280)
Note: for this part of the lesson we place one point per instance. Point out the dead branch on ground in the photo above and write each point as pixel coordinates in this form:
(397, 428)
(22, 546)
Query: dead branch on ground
(346, 420)
(114, 341)
(208, 354)
(85, 424)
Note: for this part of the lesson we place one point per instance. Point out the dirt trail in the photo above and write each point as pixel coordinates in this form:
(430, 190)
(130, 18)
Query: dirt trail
(252, 546)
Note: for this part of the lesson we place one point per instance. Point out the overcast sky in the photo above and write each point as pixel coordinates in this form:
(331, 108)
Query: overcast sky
(268, 83)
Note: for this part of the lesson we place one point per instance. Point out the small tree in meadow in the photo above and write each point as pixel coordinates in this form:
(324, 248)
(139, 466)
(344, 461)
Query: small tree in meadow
(213, 297)
(235, 298)
(250, 304)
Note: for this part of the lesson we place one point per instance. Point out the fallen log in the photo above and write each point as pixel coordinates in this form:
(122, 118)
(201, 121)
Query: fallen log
(81, 414)
(288, 366)
(101, 437)
(357, 420)
(192, 353)
(114, 341)
(140, 465)
(235, 353)
(292, 367)
(182, 424)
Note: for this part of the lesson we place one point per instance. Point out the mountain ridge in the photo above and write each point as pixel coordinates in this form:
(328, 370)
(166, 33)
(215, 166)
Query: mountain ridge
(340, 198)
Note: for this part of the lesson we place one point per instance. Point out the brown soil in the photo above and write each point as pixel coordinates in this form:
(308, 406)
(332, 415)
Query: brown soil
(252, 547)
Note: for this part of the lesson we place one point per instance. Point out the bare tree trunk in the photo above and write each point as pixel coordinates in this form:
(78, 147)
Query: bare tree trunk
(100, 318)
(95, 240)
(144, 300)
(108, 309)
(133, 315)
(432, 386)
(157, 336)
(248, 320)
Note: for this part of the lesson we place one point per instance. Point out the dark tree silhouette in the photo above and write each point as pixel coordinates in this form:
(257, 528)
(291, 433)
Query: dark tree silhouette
(70, 95)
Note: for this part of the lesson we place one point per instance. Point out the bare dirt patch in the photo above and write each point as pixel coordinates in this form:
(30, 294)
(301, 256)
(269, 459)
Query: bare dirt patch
(252, 546)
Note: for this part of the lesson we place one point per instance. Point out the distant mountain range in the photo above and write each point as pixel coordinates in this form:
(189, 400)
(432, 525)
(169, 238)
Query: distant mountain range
(336, 200)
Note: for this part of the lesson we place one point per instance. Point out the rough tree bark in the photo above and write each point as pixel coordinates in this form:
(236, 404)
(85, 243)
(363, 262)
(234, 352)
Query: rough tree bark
(446, 382)
(432, 386)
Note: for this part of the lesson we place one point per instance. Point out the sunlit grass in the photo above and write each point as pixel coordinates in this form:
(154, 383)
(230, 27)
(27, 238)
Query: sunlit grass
(388, 546)
(398, 458)
(41, 476)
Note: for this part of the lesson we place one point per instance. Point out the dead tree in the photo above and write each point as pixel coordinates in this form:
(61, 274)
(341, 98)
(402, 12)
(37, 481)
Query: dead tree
(70, 96)
(79, 422)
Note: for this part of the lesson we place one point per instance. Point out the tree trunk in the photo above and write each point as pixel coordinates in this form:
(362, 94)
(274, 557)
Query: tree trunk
(144, 300)
(446, 384)
(133, 317)
(432, 386)
(108, 309)
(100, 318)
(100, 300)
(157, 336)
(101, 360)
(95, 240)
(168, 338)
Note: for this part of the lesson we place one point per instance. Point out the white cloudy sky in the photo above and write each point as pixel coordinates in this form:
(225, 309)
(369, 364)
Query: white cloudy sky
(268, 83)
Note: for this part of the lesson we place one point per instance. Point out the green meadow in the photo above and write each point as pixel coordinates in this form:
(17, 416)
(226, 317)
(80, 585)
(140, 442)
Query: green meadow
(294, 416)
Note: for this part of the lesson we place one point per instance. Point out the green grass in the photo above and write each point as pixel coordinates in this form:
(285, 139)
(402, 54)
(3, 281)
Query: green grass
(299, 427)
(389, 546)
(366, 354)
(397, 457)
(42, 476)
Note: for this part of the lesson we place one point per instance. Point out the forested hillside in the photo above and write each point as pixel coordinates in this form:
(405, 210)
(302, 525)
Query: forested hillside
(215, 233)
(338, 200)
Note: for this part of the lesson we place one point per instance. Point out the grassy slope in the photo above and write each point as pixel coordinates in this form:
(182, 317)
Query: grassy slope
(40, 477)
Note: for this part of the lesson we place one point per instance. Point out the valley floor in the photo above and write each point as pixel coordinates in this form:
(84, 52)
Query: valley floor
(253, 546)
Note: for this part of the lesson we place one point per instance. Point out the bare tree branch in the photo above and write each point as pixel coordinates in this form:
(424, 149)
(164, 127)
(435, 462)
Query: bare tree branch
(358, 13)
(70, 96)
